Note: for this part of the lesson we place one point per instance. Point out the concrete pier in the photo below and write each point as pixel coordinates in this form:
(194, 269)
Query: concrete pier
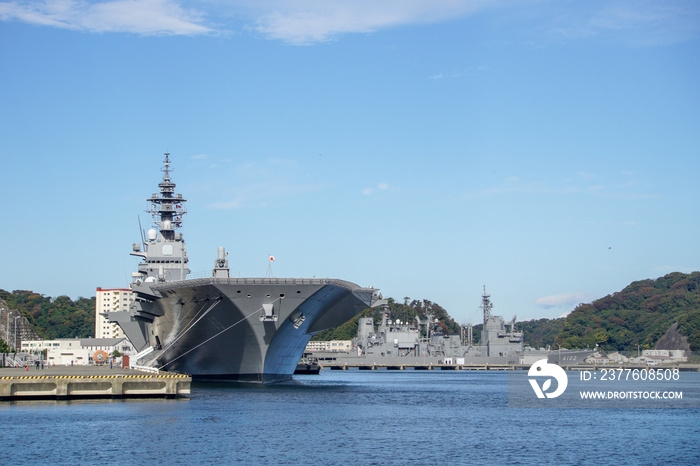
(344, 366)
(74, 382)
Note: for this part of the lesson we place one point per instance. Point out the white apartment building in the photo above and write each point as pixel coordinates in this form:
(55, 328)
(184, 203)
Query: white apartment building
(110, 300)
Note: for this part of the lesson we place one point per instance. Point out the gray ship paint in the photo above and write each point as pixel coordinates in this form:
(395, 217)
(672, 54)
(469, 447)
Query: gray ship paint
(417, 343)
(222, 327)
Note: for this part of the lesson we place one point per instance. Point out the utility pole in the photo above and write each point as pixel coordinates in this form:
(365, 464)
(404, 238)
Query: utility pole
(15, 346)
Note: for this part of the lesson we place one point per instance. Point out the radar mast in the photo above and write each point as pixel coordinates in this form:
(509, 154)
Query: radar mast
(165, 255)
(486, 305)
(167, 206)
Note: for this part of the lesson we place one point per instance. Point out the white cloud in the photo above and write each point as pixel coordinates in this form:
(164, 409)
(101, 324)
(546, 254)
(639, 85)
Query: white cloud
(297, 22)
(467, 72)
(380, 187)
(146, 17)
(304, 22)
(641, 22)
(566, 299)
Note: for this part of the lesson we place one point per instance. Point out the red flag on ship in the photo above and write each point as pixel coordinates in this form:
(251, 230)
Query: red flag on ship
(272, 258)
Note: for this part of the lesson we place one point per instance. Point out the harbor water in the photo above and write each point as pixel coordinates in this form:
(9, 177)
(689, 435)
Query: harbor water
(346, 417)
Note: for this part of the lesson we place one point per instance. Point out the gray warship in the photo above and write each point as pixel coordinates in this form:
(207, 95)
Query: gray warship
(223, 327)
(418, 343)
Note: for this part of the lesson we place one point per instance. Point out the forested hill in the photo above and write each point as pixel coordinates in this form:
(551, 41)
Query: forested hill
(640, 314)
(54, 318)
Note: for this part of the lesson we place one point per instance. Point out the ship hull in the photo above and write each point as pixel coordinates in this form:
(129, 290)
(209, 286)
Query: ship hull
(344, 358)
(568, 357)
(250, 330)
(563, 358)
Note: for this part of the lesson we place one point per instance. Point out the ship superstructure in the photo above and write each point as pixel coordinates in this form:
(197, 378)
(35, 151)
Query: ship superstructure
(397, 342)
(419, 342)
(223, 327)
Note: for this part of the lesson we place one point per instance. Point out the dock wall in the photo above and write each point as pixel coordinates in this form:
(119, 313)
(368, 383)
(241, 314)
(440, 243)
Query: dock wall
(485, 367)
(94, 386)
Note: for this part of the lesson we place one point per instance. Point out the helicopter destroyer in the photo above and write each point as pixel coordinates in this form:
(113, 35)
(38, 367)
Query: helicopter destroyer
(222, 327)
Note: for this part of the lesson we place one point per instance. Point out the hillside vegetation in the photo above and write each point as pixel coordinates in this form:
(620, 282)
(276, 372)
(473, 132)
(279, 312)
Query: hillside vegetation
(54, 318)
(406, 312)
(640, 315)
(541, 333)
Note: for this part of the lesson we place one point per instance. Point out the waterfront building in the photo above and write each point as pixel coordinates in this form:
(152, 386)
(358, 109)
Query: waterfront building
(110, 300)
(77, 351)
(618, 358)
(333, 345)
(597, 359)
(655, 356)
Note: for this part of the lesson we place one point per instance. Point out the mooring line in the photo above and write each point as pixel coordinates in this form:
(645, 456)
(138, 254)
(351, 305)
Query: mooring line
(212, 337)
(192, 324)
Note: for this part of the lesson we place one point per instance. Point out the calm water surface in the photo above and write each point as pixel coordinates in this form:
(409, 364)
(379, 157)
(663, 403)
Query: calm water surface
(346, 417)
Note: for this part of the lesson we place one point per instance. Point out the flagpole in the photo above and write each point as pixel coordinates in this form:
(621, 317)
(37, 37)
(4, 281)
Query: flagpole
(271, 258)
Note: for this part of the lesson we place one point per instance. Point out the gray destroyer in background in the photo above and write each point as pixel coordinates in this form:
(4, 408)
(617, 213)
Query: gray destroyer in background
(221, 327)
(397, 343)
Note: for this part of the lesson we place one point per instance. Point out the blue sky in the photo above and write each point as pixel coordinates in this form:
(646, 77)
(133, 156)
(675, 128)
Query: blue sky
(549, 150)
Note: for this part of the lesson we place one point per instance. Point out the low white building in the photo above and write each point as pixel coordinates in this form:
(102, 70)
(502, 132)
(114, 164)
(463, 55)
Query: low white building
(80, 351)
(333, 345)
(653, 357)
(597, 360)
(676, 354)
(618, 358)
(35, 346)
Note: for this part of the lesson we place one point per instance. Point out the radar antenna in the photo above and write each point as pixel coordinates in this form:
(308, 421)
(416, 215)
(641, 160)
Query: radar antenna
(167, 207)
(166, 167)
(486, 305)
